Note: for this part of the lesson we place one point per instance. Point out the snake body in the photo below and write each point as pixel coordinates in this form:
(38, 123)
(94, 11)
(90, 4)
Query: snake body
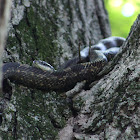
(67, 76)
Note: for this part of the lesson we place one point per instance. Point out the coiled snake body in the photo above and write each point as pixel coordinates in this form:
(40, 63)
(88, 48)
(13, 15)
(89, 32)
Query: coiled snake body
(70, 73)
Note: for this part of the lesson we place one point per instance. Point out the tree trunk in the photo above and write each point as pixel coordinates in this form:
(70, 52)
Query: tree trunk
(111, 108)
(51, 31)
(4, 17)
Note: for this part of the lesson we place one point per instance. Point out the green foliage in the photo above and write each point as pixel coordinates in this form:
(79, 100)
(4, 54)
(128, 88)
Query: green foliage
(121, 24)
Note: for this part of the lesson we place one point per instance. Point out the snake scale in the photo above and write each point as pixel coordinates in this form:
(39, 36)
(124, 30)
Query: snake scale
(70, 73)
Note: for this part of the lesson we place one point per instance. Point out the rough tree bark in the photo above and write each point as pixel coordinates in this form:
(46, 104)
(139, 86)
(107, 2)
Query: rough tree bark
(111, 108)
(50, 31)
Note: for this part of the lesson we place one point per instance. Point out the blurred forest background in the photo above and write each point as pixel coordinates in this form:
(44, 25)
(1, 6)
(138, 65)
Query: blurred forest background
(122, 14)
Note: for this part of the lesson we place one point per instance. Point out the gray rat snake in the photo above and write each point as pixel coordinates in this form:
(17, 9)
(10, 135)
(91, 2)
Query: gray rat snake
(70, 73)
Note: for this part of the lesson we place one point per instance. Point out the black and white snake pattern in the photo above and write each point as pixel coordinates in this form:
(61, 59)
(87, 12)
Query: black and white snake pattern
(70, 73)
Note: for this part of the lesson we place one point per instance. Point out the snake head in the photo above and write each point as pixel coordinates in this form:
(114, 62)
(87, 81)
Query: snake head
(43, 65)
